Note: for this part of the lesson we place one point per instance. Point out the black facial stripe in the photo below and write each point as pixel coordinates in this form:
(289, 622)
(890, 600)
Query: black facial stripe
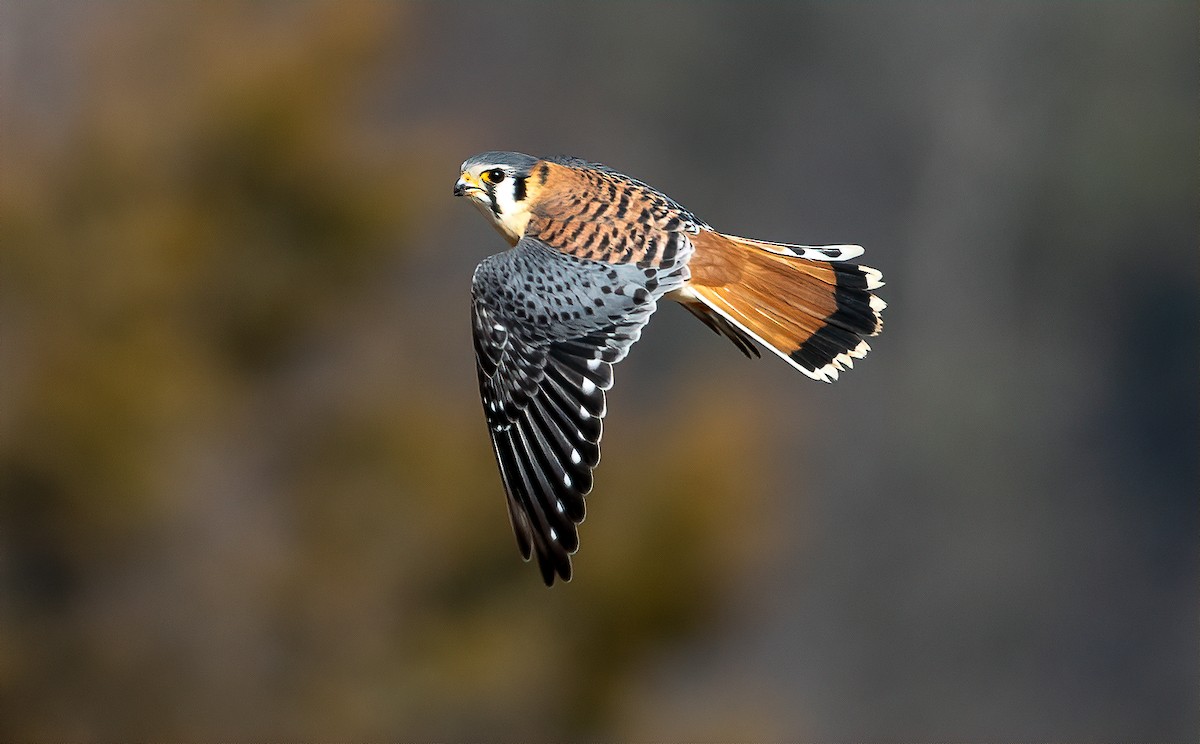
(491, 192)
(519, 190)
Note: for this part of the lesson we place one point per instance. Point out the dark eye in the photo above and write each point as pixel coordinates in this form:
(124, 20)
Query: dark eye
(495, 175)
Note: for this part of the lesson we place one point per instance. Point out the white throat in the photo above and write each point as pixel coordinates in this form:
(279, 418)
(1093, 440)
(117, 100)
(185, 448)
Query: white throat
(513, 215)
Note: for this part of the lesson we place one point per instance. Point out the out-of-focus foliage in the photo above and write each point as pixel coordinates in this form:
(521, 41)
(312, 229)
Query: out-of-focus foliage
(214, 525)
(246, 490)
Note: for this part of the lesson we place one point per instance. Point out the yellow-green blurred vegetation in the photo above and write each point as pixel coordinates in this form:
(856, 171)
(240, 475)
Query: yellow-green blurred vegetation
(201, 233)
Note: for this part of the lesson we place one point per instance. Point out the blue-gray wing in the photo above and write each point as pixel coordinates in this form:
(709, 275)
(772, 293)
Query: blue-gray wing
(548, 328)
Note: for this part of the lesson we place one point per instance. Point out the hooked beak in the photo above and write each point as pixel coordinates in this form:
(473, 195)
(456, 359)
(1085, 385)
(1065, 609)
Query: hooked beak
(463, 186)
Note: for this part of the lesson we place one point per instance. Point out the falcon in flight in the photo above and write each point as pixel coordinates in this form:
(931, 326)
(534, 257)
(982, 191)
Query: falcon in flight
(593, 251)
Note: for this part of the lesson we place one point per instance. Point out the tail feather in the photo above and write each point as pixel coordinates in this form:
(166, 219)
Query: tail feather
(807, 304)
(723, 327)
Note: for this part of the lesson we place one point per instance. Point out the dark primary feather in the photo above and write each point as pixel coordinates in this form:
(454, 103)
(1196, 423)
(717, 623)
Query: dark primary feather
(546, 336)
(723, 327)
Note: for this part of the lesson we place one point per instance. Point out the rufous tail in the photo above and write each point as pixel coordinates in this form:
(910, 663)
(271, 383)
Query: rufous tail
(807, 304)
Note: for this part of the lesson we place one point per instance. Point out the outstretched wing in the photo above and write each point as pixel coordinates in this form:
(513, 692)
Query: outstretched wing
(548, 328)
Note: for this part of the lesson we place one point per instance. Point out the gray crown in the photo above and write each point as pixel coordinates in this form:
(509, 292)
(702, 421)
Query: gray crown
(517, 162)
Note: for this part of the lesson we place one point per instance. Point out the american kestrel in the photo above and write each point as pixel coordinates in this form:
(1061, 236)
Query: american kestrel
(593, 253)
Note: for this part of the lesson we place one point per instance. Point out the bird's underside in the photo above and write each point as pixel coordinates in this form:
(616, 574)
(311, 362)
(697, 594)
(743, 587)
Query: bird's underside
(594, 252)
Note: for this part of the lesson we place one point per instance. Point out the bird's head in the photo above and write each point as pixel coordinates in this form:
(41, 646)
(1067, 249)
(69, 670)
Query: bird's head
(498, 183)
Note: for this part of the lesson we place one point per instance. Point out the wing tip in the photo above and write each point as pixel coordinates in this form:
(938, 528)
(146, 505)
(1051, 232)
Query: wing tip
(554, 568)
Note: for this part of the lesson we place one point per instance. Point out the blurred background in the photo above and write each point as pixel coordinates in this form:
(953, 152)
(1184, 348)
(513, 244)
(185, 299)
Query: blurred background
(246, 490)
